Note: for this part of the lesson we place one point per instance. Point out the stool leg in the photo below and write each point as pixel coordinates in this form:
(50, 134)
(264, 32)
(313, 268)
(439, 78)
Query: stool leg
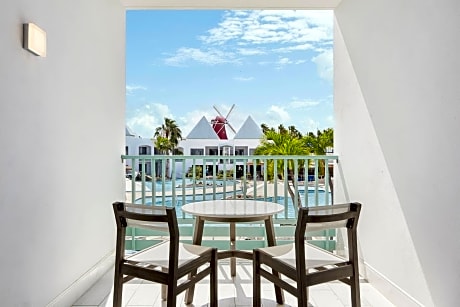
(164, 288)
(197, 238)
(213, 279)
(256, 300)
(232, 248)
(271, 240)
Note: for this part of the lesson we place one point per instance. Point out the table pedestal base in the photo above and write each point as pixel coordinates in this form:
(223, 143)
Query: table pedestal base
(233, 253)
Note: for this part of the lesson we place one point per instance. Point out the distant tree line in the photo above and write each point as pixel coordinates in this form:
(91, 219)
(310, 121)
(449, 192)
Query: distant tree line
(318, 144)
(290, 142)
(279, 141)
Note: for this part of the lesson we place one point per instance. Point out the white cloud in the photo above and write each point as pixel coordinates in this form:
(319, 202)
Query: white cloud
(130, 89)
(271, 26)
(301, 47)
(277, 115)
(311, 125)
(243, 79)
(306, 103)
(210, 57)
(147, 118)
(230, 28)
(250, 51)
(190, 119)
(264, 63)
(287, 61)
(249, 33)
(284, 61)
(324, 64)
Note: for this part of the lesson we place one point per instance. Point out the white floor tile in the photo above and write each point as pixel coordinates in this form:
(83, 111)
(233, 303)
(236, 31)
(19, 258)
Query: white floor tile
(146, 295)
(232, 292)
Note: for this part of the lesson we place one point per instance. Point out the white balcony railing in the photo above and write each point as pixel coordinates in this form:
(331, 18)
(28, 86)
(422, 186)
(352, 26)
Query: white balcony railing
(291, 181)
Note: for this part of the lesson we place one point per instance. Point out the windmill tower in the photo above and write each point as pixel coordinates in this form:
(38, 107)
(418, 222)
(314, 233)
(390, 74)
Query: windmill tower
(219, 123)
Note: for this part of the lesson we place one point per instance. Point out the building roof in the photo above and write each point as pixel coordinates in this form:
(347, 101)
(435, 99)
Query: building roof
(129, 132)
(249, 130)
(202, 130)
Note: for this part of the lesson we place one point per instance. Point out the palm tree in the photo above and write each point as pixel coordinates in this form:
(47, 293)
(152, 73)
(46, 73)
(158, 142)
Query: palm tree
(282, 129)
(163, 145)
(264, 128)
(169, 130)
(294, 132)
(167, 137)
(283, 144)
(319, 145)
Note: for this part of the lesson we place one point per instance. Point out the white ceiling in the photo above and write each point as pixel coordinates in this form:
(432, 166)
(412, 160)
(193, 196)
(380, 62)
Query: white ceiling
(230, 4)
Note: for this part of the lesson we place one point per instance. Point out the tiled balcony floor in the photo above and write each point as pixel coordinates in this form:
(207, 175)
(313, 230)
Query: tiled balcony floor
(231, 292)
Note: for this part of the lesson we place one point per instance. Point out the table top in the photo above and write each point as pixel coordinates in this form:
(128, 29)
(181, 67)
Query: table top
(232, 208)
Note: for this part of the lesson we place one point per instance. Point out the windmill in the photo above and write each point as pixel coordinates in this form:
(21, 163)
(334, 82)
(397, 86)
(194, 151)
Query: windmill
(218, 123)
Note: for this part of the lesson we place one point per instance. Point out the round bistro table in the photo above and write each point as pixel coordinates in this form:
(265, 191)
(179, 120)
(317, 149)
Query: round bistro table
(232, 211)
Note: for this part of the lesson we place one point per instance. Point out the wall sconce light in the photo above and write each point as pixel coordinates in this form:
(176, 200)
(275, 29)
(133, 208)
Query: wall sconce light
(34, 39)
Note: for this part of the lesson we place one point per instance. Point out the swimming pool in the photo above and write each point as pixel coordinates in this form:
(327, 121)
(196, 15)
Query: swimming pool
(287, 203)
(188, 184)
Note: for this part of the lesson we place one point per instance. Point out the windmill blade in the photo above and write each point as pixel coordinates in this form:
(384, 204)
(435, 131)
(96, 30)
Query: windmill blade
(217, 111)
(230, 126)
(230, 111)
(220, 129)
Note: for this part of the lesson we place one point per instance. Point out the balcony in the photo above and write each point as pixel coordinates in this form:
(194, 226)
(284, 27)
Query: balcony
(291, 181)
(177, 180)
(232, 292)
(394, 95)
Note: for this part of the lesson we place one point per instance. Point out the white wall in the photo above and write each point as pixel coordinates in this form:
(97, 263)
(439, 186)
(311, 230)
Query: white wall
(134, 142)
(396, 108)
(188, 144)
(62, 136)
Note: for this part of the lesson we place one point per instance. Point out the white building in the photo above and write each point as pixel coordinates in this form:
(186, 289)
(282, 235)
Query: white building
(396, 104)
(136, 145)
(203, 141)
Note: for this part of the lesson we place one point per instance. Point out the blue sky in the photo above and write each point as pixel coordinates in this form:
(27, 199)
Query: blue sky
(273, 65)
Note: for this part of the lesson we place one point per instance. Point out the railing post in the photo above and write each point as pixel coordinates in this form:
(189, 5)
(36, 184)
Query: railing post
(272, 168)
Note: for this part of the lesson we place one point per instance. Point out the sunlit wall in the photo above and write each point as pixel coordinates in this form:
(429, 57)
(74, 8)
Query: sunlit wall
(396, 112)
(62, 136)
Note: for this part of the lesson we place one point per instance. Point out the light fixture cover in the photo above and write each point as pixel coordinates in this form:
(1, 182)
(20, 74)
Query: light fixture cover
(34, 39)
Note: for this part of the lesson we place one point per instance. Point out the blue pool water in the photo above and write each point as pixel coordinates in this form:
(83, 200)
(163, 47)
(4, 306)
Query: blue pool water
(289, 208)
(188, 184)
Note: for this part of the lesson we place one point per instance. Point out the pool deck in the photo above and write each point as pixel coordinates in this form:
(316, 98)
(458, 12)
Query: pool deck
(210, 188)
(180, 191)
